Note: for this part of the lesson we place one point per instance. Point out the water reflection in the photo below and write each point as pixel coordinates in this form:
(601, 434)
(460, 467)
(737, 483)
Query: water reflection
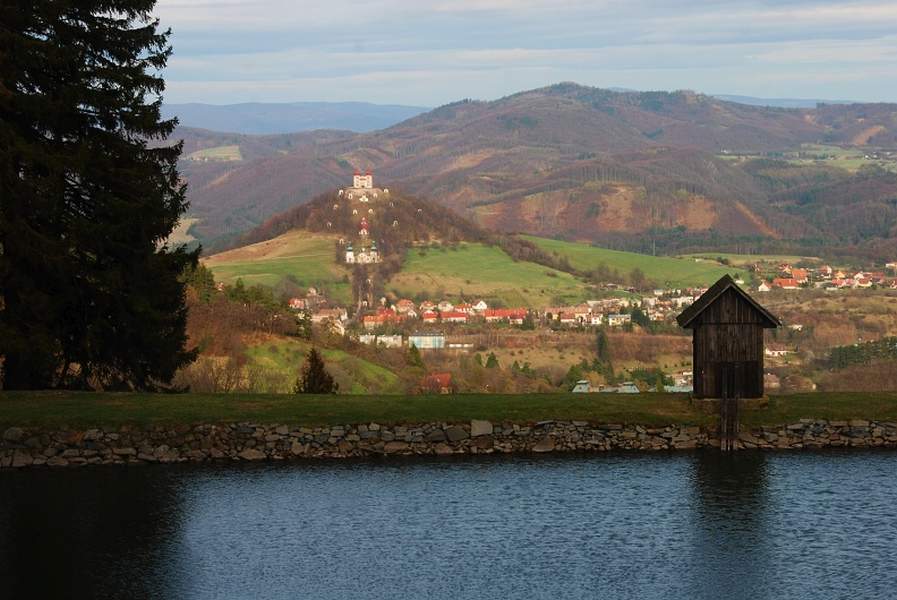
(88, 533)
(730, 526)
(702, 525)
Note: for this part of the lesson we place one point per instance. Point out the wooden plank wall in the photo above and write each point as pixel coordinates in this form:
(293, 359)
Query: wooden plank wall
(729, 330)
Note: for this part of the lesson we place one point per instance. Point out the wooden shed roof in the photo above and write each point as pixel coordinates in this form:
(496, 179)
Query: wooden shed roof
(725, 282)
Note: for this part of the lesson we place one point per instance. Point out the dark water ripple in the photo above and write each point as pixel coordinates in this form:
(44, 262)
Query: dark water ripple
(703, 525)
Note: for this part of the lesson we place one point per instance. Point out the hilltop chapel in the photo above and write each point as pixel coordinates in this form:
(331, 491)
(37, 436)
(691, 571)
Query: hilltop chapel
(362, 192)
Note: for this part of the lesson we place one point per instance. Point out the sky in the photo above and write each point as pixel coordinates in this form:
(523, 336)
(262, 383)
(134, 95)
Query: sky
(431, 52)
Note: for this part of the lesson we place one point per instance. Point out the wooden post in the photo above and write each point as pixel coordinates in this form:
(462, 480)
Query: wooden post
(728, 408)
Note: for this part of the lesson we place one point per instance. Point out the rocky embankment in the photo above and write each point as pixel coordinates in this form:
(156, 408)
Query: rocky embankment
(27, 447)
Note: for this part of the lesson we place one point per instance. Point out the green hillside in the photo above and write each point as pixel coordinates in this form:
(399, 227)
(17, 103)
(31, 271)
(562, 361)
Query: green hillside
(476, 270)
(299, 257)
(281, 359)
(663, 270)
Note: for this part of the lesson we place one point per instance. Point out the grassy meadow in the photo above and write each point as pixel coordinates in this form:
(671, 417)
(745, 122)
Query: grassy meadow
(664, 270)
(479, 271)
(84, 409)
(302, 258)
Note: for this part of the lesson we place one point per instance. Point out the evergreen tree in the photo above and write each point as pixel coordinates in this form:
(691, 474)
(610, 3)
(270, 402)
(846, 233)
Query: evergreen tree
(414, 357)
(90, 295)
(492, 361)
(601, 346)
(314, 378)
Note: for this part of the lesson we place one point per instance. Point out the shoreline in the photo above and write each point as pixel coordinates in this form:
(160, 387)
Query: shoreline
(30, 447)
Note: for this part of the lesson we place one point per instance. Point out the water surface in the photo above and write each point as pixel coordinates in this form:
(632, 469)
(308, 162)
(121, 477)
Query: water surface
(686, 525)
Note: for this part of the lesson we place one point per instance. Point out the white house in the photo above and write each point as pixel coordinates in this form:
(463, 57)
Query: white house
(616, 320)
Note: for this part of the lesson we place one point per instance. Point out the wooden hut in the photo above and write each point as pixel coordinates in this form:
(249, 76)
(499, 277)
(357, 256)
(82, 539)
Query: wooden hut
(727, 344)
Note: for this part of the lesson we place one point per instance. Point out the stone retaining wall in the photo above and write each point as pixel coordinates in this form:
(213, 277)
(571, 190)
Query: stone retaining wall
(23, 447)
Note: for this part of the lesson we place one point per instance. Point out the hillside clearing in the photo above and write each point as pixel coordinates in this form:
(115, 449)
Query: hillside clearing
(663, 270)
(217, 153)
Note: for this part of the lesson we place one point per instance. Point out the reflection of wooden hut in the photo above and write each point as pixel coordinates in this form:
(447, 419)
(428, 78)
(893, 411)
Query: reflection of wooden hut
(727, 328)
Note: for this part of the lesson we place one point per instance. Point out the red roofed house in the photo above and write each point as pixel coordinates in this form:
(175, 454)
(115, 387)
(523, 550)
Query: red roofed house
(785, 284)
(429, 316)
(297, 303)
(404, 305)
(373, 321)
(437, 383)
(464, 307)
(514, 316)
(800, 275)
(453, 316)
(568, 318)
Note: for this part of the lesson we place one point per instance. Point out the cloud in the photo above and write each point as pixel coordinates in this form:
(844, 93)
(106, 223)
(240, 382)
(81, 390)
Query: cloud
(432, 52)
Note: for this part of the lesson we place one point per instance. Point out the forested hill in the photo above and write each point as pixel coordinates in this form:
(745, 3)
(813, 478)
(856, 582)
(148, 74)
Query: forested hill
(585, 163)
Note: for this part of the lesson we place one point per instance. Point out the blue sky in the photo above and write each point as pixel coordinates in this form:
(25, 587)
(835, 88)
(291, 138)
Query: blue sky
(428, 53)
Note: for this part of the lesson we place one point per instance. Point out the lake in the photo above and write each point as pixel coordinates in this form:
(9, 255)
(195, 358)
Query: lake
(682, 525)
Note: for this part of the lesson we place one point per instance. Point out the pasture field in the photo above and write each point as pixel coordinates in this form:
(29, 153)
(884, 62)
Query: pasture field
(477, 271)
(663, 270)
(298, 257)
(217, 153)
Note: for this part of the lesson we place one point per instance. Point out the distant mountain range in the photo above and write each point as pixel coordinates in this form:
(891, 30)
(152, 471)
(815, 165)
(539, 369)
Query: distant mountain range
(266, 117)
(779, 102)
(261, 118)
(589, 164)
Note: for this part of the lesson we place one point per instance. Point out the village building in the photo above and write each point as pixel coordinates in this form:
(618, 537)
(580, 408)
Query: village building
(427, 341)
(329, 314)
(582, 387)
(619, 319)
(453, 316)
(437, 383)
(480, 307)
(727, 341)
(515, 316)
(785, 283)
(776, 351)
(763, 287)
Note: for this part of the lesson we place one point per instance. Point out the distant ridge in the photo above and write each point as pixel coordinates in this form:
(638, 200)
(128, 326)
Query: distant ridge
(779, 102)
(273, 118)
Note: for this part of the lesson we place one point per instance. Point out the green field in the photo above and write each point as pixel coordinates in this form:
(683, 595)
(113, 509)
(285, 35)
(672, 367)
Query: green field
(849, 159)
(663, 270)
(300, 257)
(102, 409)
(217, 153)
(745, 260)
(282, 359)
(479, 271)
